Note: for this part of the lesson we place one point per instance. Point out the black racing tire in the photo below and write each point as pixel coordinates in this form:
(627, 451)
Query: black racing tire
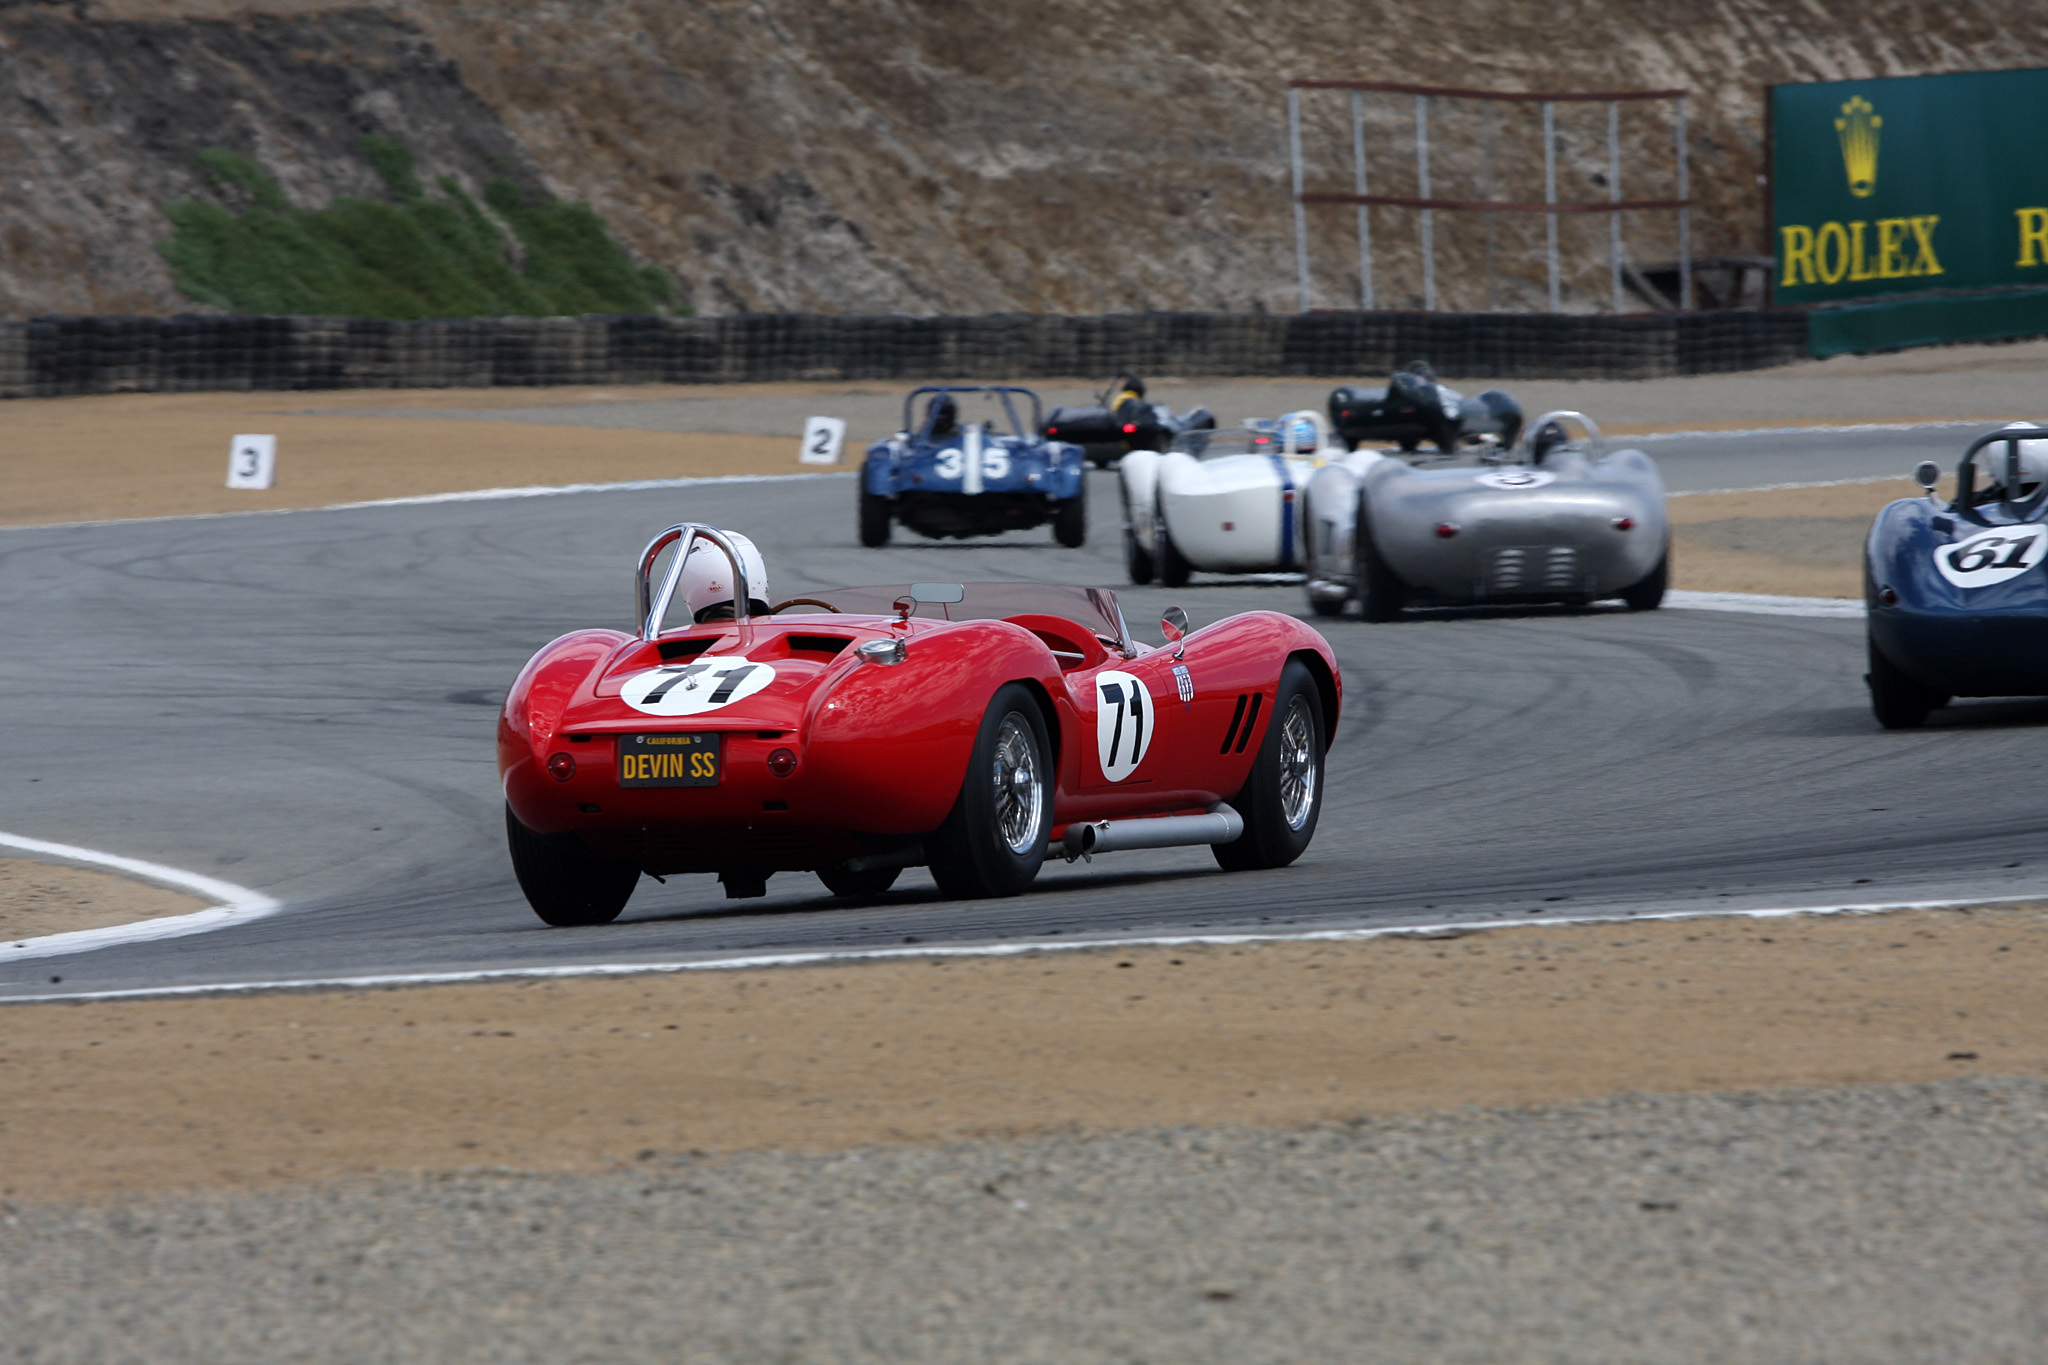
(1283, 798)
(994, 839)
(873, 881)
(565, 883)
(874, 518)
(1899, 702)
(1137, 559)
(1070, 519)
(1381, 596)
(1326, 606)
(1174, 569)
(1648, 595)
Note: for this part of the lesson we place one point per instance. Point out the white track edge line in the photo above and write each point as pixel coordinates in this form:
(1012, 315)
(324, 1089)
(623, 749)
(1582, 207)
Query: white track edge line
(428, 499)
(1837, 429)
(1760, 604)
(238, 904)
(1781, 487)
(847, 956)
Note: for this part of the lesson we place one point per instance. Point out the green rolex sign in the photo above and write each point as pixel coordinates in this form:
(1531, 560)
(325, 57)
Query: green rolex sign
(1908, 184)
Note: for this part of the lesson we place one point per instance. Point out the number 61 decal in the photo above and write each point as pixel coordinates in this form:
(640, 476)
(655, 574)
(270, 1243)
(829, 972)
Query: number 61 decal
(1123, 723)
(1992, 556)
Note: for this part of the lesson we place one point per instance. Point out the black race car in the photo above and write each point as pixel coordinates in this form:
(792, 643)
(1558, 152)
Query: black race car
(1121, 419)
(1415, 407)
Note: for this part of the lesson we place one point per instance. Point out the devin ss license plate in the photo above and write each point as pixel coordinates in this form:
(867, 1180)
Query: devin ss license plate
(668, 760)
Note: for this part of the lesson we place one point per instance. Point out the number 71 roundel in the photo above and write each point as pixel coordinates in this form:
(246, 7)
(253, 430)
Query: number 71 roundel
(1123, 723)
(696, 687)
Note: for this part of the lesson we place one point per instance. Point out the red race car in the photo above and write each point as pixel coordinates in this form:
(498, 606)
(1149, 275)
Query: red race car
(972, 728)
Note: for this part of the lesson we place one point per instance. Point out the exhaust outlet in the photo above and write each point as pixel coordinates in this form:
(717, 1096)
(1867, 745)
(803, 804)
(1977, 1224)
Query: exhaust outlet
(1221, 825)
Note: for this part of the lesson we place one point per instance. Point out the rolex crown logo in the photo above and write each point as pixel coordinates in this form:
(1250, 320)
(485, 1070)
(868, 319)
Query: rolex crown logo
(1857, 129)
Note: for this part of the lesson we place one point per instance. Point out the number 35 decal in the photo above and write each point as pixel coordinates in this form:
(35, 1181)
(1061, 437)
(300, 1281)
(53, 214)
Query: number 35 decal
(692, 688)
(1123, 723)
(1992, 556)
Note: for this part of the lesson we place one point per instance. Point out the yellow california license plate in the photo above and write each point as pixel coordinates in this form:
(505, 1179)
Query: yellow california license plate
(649, 760)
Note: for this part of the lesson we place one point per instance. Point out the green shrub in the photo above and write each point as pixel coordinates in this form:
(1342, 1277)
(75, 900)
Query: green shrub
(420, 257)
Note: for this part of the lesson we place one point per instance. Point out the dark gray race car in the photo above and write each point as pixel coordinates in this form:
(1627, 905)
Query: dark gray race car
(1553, 520)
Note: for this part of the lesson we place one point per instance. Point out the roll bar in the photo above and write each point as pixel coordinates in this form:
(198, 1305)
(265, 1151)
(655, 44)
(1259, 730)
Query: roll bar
(1526, 445)
(1966, 471)
(650, 615)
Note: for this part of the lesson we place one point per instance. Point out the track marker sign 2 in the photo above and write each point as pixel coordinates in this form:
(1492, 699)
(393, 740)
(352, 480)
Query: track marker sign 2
(1992, 556)
(1123, 723)
(252, 462)
(823, 437)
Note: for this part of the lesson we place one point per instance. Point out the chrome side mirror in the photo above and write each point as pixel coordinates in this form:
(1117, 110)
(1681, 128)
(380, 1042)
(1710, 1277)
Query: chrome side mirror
(1173, 624)
(1927, 474)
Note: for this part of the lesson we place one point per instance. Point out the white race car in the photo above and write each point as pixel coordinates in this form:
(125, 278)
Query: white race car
(1226, 501)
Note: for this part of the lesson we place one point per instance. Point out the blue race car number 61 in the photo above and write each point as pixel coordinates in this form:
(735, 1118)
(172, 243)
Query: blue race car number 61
(1992, 556)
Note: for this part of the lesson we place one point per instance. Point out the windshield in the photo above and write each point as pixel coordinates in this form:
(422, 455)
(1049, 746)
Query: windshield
(1262, 438)
(998, 406)
(1093, 609)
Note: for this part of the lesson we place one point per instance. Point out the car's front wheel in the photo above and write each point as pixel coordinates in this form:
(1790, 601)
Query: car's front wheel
(1070, 520)
(874, 518)
(1899, 701)
(1283, 798)
(994, 839)
(1174, 569)
(565, 883)
(1137, 556)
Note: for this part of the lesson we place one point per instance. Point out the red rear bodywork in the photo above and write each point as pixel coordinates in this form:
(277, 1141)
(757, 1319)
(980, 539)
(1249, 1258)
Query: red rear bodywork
(880, 750)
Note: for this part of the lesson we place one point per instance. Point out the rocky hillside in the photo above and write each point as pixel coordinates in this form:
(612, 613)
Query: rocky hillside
(936, 156)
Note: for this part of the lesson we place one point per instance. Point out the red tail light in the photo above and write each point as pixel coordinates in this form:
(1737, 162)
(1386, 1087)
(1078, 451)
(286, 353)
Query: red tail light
(561, 767)
(782, 762)
(1447, 529)
(1130, 427)
(1624, 523)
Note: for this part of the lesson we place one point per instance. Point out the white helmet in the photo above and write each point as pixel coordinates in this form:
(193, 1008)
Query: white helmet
(706, 584)
(2033, 464)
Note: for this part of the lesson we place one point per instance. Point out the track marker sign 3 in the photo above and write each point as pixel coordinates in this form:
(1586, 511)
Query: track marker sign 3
(823, 437)
(1123, 723)
(252, 462)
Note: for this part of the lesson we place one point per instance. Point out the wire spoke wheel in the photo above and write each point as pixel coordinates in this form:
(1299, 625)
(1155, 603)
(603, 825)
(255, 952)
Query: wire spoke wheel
(1297, 763)
(1282, 798)
(993, 840)
(1019, 797)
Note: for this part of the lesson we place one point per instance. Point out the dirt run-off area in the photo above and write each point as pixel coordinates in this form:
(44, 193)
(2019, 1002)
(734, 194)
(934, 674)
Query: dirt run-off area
(110, 1098)
(39, 898)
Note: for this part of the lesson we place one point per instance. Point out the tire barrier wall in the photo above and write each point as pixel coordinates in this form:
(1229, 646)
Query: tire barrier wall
(53, 356)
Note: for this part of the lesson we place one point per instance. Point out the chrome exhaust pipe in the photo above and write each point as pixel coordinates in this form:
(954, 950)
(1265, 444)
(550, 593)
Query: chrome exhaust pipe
(1221, 825)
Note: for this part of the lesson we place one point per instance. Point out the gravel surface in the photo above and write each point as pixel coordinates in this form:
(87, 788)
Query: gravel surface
(1881, 1224)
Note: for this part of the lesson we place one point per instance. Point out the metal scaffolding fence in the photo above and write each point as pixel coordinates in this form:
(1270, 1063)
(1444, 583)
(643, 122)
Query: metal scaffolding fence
(1427, 207)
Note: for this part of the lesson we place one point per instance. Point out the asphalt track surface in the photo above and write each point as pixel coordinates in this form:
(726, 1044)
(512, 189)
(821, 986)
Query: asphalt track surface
(304, 703)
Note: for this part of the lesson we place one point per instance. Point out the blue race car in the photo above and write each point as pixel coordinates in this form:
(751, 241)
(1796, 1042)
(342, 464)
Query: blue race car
(1957, 604)
(945, 477)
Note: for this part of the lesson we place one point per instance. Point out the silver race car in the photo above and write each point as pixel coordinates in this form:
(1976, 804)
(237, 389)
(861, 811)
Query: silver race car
(1552, 520)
